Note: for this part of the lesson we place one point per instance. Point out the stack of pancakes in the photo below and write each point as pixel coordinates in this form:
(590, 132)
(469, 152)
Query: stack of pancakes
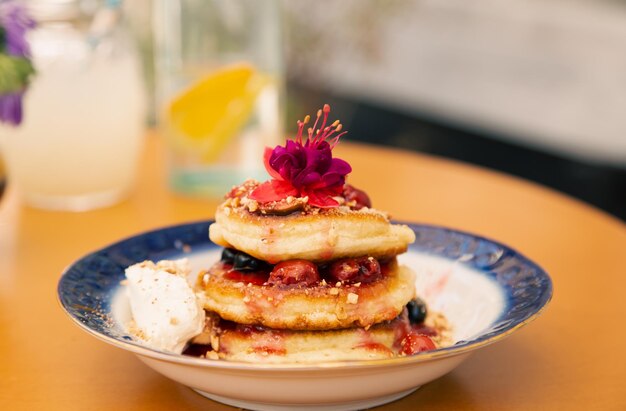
(324, 283)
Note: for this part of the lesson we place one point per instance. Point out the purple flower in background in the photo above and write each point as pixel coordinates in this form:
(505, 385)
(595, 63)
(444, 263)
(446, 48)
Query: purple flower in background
(11, 108)
(15, 66)
(15, 22)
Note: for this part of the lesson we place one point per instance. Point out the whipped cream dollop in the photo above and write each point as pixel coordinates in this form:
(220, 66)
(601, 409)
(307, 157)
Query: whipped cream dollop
(165, 309)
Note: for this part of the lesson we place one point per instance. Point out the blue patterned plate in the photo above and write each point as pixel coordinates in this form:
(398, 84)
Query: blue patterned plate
(485, 289)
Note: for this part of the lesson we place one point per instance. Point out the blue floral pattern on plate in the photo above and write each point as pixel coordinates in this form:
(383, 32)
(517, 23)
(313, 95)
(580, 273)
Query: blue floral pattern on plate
(87, 287)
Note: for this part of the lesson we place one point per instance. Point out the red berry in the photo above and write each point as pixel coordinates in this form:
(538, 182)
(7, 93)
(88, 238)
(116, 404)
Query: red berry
(294, 272)
(414, 343)
(355, 270)
(358, 196)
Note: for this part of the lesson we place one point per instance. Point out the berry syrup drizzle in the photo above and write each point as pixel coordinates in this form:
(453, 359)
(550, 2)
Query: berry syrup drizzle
(240, 267)
(409, 339)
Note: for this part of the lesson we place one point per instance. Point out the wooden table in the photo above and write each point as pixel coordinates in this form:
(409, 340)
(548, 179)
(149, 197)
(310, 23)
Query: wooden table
(572, 357)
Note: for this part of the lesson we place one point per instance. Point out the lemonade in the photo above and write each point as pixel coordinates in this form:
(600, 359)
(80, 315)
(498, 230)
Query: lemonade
(216, 126)
(219, 84)
(78, 145)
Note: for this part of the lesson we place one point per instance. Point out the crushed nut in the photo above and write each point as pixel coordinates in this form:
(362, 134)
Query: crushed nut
(353, 298)
(215, 342)
(253, 206)
(212, 355)
(333, 291)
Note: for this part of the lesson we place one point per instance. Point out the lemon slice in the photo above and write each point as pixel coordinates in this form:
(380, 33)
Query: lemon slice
(209, 114)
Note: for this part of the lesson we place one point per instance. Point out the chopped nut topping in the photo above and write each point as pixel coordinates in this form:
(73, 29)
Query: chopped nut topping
(212, 355)
(353, 298)
(253, 206)
(333, 291)
(215, 342)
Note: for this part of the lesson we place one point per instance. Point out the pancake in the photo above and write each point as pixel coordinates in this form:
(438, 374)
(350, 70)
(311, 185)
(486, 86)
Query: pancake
(235, 342)
(324, 306)
(310, 233)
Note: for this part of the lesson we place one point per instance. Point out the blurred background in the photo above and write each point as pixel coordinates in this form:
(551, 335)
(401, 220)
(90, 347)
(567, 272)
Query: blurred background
(532, 88)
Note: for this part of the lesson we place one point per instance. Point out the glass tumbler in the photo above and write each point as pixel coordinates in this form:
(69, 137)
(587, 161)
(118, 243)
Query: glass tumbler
(84, 112)
(219, 80)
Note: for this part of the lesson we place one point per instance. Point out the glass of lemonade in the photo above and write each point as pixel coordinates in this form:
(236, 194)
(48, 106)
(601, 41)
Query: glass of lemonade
(77, 147)
(219, 80)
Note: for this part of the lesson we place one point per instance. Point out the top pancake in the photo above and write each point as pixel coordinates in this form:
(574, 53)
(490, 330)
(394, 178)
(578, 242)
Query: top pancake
(308, 233)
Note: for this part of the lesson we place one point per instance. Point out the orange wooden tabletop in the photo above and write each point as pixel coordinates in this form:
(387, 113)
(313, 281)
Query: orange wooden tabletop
(572, 357)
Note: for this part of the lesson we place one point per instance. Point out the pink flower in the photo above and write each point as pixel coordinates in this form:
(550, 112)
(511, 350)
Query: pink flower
(306, 168)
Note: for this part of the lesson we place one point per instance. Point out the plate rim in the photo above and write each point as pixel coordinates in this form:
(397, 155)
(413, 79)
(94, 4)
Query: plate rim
(465, 347)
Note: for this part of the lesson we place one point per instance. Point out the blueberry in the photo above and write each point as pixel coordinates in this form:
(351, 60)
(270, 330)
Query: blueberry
(245, 262)
(417, 311)
(228, 255)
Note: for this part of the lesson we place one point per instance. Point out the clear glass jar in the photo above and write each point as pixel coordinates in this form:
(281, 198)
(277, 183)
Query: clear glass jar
(219, 79)
(84, 112)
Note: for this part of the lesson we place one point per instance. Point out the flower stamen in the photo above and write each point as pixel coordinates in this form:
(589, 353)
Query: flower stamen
(324, 133)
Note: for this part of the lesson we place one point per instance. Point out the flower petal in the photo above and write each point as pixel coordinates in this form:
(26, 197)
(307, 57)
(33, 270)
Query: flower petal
(266, 162)
(288, 160)
(307, 178)
(322, 198)
(273, 190)
(15, 21)
(339, 166)
(11, 108)
(316, 163)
